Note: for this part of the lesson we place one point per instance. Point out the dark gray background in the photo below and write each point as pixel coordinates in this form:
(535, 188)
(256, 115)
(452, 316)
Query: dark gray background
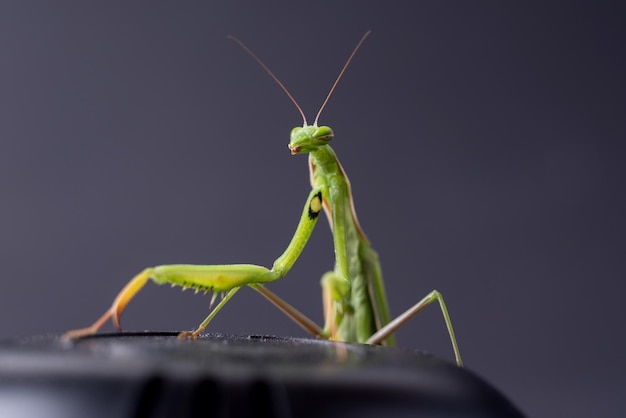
(484, 144)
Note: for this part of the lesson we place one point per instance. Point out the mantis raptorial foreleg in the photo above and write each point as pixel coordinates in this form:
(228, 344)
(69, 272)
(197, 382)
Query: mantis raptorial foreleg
(217, 278)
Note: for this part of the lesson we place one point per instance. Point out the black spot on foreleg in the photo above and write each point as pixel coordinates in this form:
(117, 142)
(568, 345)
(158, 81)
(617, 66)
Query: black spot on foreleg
(315, 206)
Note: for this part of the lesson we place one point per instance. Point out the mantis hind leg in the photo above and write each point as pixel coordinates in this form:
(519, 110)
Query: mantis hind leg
(401, 319)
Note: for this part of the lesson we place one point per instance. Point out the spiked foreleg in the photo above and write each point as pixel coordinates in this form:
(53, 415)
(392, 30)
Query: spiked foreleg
(217, 278)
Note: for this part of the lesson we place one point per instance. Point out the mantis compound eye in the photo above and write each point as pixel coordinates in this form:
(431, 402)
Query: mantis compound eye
(324, 133)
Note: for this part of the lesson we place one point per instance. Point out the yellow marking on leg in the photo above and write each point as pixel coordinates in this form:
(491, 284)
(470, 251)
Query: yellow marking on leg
(316, 204)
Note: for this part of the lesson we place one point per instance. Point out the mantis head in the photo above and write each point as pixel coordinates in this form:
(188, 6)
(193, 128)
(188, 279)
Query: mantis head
(309, 138)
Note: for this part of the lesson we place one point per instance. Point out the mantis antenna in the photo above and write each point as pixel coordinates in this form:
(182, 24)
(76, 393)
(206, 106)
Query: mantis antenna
(343, 70)
(282, 86)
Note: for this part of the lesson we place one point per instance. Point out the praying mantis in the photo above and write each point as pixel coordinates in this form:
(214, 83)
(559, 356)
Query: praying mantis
(353, 294)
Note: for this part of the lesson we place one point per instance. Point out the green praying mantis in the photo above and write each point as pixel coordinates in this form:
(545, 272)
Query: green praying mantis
(353, 294)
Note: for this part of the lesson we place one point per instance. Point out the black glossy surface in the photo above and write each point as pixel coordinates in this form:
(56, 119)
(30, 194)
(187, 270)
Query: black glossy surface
(157, 375)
